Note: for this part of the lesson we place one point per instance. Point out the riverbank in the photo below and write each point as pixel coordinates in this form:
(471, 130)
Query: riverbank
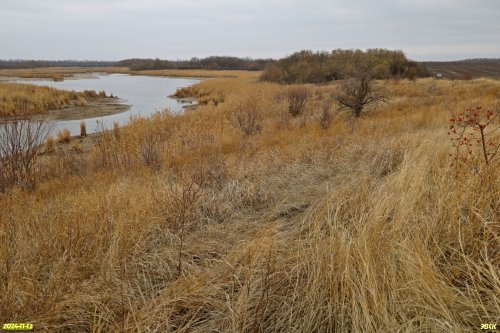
(74, 72)
(144, 95)
(98, 107)
(21, 99)
(45, 77)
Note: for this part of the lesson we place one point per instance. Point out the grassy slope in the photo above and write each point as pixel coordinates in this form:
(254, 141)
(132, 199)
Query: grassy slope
(296, 229)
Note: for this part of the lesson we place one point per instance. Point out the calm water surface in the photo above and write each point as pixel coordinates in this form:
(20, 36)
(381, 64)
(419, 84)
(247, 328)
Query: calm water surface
(145, 95)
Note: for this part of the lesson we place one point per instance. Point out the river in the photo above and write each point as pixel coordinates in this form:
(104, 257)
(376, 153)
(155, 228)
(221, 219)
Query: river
(145, 95)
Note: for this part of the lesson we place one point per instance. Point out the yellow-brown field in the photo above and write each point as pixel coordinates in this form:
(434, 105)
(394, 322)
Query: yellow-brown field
(57, 72)
(61, 72)
(186, 224)
(25, 99)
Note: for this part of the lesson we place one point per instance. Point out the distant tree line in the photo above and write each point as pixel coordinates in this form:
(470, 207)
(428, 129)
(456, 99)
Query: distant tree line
(315, 67)
(301, 67)
(214, 62)
(25, 64)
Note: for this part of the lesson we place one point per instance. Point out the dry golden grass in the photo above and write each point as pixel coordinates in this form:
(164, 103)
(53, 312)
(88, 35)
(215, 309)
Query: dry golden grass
(25, 98)
(68, 72)
(58, 72)
(185, 224)
(83, 129)
(64, 136)
(200, 73)
(50, 145)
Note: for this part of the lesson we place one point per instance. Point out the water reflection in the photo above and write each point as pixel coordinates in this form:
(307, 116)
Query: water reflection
(145, 95)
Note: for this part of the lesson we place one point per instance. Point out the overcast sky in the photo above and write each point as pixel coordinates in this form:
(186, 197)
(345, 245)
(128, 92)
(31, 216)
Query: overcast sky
(118, 29)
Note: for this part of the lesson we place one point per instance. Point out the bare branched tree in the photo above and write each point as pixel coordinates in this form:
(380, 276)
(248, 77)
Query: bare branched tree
(360, 91)
(21, 141)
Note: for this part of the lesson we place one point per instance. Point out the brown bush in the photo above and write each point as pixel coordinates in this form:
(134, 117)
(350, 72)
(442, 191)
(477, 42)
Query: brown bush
(50, 145)
(83, 129)
(360, 91)
(150, 151)
(64, 136)
(21, 141)
(467, 76)
(248, 117)
(297, 97)
(273, 73)
(325, 116)
(307, 66)
(116, 130)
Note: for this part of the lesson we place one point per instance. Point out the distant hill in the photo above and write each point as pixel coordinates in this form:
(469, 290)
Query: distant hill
(465, 69)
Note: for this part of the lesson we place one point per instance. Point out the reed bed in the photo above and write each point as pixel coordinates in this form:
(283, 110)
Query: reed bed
(27, 99)
(69, 72)
(190, 223)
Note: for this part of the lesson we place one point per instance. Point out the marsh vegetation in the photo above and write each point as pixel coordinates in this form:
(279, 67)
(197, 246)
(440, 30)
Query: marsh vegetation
(266, 209)
(21, 99)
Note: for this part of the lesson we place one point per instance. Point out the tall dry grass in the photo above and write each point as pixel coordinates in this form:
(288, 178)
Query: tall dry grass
(297, 228)
(58, 72)
(18, 99)
(63, 72)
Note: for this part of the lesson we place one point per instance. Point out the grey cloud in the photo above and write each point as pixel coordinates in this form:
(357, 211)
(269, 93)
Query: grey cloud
(112, 29)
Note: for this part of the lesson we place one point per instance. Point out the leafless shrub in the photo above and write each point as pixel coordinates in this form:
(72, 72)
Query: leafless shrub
(476, 151)
(150, 151)
(297, 98)
(356, 94)
(72, 163)
(178, 203)
(248, 117)
(21, 141)
(360, 91)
